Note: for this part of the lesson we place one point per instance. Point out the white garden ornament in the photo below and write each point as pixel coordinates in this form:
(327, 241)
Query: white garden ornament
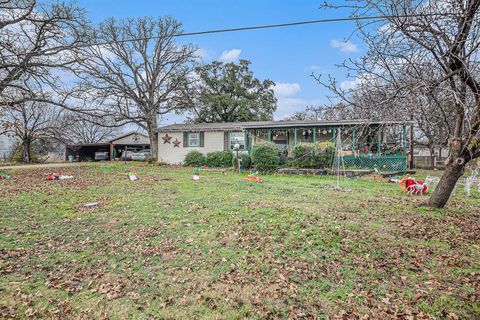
(432, 182)
(471, 181)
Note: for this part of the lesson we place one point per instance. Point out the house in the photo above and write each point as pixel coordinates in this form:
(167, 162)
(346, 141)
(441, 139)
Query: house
(131, 141)
(7, 146)
(365, 144)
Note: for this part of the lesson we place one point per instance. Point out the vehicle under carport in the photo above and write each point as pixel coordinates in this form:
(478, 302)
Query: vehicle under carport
(86, 151)
(111, 150)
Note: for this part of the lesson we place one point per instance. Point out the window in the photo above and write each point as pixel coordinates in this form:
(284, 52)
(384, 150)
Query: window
(237, 138)
(194, 139)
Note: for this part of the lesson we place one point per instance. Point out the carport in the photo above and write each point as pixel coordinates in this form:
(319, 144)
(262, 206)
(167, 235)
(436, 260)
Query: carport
(86, 151)
(132, 141)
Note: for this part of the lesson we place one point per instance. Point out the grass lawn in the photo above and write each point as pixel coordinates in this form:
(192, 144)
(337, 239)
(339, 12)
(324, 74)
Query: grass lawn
(223, 248)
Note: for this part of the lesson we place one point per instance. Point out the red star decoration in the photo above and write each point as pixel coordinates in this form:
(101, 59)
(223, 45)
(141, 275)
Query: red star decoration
(166, 139)
(176, 143)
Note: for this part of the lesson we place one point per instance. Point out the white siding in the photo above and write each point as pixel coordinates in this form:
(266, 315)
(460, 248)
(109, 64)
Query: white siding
(6, 147)
(169, 154)
(143, 140)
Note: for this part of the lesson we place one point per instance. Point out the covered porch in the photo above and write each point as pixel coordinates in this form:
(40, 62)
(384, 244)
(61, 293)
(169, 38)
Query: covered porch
(364, 144)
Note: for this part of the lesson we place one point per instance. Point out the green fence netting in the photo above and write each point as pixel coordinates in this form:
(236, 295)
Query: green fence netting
(397, 163)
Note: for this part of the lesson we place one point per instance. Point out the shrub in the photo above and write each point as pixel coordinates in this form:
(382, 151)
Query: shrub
(313, 155)
(266, 157)
(151, 160)
(220, 159)
(246, 161)
(194, 159)
(328, 152)
(306, 155)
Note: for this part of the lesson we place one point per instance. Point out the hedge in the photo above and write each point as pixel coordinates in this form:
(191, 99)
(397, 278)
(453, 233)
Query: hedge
(219, 159)
(245, 159)
(312, 155)
(266, 157)
(194, 159)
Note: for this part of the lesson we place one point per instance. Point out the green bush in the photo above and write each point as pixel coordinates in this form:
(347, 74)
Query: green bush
(313, 155)
(246, 161)
(266, 157)
(151, 160)
(220, 159)
(194, 159)
(306, 155)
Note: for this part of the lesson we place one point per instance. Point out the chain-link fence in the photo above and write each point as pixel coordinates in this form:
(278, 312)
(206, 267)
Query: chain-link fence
(396, 163)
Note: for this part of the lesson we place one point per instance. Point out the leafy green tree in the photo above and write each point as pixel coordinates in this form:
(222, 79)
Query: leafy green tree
(228, 92)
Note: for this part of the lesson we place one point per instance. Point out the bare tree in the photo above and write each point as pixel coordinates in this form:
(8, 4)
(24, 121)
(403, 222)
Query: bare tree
(335, 111)
(443, 36)
(138, 73)
(14, 11)
(79, 128)
(35, 45)
(30, 122)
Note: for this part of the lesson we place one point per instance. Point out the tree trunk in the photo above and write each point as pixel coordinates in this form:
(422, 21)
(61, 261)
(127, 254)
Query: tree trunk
(432, 157)
(153, 136)
(440, 196)
(26, 151)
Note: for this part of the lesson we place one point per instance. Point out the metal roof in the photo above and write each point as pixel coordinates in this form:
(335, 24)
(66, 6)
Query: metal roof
(238, 126)
(95, 144)
(128, 134)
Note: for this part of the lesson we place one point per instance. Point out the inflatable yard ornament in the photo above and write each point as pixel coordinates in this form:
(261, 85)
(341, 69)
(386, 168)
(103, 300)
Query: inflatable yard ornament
(132, 175)
(254, 178)
(411, 186)
(4, 176)
(196, 174)
(58, 176)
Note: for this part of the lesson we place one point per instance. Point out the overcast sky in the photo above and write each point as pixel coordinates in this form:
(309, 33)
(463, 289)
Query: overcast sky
(287, 56)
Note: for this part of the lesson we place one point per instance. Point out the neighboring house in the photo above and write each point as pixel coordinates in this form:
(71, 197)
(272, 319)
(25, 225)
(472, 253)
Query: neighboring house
(131, 141)
(7, 145)
(366, 144)
(423, 159)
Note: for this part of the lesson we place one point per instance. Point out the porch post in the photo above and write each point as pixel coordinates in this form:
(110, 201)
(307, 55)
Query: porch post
(334, 135)
(245, 136)
(379, 142)
(250, 140)
(314, 134)
(110, 152)
(354, 140)
(269, 135)
(295, 136)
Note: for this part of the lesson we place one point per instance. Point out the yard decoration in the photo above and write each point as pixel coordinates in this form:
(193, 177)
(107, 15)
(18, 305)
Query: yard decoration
(432, 182)
(90, 204)
(4, 176)
(58, 176)
(403, 183)
(412, 186)
(470, 181)
(338, 165)
(253, 178)
(196, 174)
(132, 175)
